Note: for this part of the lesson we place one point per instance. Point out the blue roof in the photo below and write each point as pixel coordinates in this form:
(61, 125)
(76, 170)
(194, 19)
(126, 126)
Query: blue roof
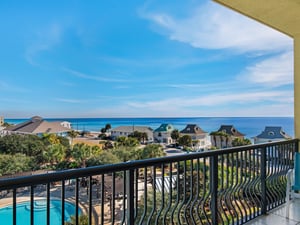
(273, 133)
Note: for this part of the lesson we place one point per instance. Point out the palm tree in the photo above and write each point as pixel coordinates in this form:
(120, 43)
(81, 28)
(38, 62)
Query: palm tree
(72, 134)
(55, 154)
(107, 127)
(152, 151)
(80, 153)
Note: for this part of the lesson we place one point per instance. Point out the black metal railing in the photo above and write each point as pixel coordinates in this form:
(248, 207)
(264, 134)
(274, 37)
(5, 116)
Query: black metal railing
(228, 186)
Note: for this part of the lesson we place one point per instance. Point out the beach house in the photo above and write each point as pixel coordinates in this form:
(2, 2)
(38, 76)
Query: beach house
(163, 134)
(223, 137)
(271, 133)
(38, 126)
(200, 138)
(125, 131)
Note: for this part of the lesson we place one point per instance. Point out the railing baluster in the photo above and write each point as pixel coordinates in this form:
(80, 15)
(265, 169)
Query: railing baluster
(214, 188)
(112, 199)
(102, 198)
(263, 180)
(76, 200)
(48, 204)
(145, 197)
(130, 196)
(63, 202)
(32, 205)
(14, 206)
(136, 189)
(90, 197)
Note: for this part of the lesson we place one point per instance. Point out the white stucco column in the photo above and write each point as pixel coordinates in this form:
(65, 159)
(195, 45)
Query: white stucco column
(297, 85)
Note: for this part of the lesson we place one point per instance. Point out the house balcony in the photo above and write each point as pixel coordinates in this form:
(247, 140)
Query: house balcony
(229, 186)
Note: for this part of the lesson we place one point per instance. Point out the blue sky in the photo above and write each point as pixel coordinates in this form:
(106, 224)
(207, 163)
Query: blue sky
(137, 58)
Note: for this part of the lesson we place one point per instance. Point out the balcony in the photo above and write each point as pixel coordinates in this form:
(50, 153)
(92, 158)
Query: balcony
(277, 216)
(228, 186)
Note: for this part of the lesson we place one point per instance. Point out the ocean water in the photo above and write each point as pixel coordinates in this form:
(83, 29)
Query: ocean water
(250, 126)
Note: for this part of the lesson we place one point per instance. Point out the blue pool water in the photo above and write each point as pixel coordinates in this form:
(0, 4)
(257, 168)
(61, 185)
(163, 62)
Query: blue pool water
(23, 213)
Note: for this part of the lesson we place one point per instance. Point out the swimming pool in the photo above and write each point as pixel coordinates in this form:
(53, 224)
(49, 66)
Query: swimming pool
(40, 206)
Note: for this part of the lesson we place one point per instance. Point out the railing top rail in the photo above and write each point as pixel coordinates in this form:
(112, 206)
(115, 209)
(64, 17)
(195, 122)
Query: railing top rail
(104, 169)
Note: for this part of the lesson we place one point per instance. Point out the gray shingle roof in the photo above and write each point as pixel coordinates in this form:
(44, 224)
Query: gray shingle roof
(231, 130)
(37, 125)
(132, 129)
(273, 133)
(192, 129)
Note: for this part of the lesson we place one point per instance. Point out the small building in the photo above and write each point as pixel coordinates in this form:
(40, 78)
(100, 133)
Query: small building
(223, 137)
(125, 131)
(66, 124)
(38, 126)
(200, 138)
(163, 134)
(270, 134)
(1, 121)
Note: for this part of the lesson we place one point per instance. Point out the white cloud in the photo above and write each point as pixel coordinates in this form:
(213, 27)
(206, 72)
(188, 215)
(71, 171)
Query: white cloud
(42, 41)
(89, 77)
(217, 100)
(212, 26)
(65, 100)
(274, 71)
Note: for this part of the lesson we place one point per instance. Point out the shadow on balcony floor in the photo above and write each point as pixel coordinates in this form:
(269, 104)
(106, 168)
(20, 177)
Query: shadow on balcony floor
(277, 216)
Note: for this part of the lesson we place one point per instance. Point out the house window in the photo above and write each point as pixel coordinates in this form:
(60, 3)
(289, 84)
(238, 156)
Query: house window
(271, 133)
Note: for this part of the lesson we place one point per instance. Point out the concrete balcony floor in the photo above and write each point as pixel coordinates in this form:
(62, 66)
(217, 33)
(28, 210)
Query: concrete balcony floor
(277, 216)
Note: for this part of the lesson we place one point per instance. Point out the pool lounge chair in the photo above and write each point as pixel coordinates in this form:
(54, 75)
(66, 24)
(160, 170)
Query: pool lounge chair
(293, 183)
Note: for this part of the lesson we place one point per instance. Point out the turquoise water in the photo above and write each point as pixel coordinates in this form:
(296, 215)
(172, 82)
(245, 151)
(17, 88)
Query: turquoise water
(250, 126)
(23, 213)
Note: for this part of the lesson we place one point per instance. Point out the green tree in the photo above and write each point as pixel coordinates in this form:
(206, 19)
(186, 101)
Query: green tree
(240, 142)
(140, 136)
(12, 164)
(175, 135)
(107, 127)
(104, 158)
(30, 145)
(55, 154)
(185, 141)
(80, 153)
(50, 139)
(125, 154)
(72, 134)
(152, 151)
(127, 142)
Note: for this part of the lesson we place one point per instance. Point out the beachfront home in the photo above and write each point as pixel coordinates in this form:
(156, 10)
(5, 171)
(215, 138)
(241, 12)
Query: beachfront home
(271, 134)
(223, 137)
(125, 131)
(163, 134)
(38, 126)
(200, 138)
